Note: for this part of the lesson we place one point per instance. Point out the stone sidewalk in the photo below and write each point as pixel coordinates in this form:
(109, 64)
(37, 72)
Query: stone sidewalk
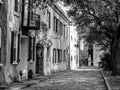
(27, 83)
(112, 82)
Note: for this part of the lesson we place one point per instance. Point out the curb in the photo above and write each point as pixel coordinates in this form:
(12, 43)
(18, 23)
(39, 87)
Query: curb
(106, 82)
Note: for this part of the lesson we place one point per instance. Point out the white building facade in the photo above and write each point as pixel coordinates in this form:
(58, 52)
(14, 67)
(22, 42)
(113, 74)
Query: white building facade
(74, 50)
(53, 41)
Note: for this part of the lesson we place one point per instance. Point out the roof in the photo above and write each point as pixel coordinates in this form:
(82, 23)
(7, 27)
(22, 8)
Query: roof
(59, 10)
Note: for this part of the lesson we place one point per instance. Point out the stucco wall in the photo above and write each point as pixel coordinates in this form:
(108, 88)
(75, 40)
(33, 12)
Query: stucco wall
(3, 25)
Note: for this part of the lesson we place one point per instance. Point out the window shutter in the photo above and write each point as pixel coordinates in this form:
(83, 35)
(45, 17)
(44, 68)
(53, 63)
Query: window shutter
(12, 47)
(64, 56)
(33, 48)
(53, 55)
(18, 49)
(54, 23)
(29, 51)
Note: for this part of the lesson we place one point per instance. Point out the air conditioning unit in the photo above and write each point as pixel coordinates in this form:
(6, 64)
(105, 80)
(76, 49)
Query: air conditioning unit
(1, 2)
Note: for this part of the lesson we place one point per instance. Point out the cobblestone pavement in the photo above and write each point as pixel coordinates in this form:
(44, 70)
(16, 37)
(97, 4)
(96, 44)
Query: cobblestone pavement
(71, 80)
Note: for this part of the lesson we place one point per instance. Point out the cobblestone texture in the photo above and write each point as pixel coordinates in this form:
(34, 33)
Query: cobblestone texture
(71, 80)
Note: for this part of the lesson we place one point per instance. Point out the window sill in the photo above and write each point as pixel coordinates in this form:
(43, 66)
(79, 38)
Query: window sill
(31, 61)
(15, 63)
(1, 64)
(16, 13)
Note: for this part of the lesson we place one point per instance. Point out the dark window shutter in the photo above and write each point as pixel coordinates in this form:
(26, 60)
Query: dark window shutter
(64, 56)
(61, 55)
(0, 54)
(33, 48)
(12, 47)
(53, 55)
(18, 49)
(54, 24)
(29, 50)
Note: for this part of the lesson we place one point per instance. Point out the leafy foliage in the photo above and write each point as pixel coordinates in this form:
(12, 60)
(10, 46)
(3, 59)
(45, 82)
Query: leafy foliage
(100, 17)
(106, 61)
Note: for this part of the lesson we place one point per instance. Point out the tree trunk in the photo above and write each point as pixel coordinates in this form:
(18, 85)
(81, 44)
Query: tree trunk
(116, 54)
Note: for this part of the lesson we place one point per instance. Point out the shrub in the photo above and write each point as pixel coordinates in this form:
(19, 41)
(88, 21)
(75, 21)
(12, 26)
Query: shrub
(106, 61)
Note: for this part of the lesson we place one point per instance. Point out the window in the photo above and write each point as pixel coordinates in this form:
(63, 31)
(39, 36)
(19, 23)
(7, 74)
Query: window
(55, 24)
(16, 5)
(49, 20)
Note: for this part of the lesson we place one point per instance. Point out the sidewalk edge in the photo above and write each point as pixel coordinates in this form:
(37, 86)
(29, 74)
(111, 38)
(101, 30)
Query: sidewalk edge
(106, 81)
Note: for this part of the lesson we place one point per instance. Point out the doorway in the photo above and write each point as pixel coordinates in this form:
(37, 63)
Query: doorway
(39, 58)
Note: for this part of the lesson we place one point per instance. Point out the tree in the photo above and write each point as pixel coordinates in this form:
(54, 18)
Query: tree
(101, 18)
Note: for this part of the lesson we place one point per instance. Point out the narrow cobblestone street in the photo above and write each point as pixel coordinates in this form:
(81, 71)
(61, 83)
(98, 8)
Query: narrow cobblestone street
(71, 80)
